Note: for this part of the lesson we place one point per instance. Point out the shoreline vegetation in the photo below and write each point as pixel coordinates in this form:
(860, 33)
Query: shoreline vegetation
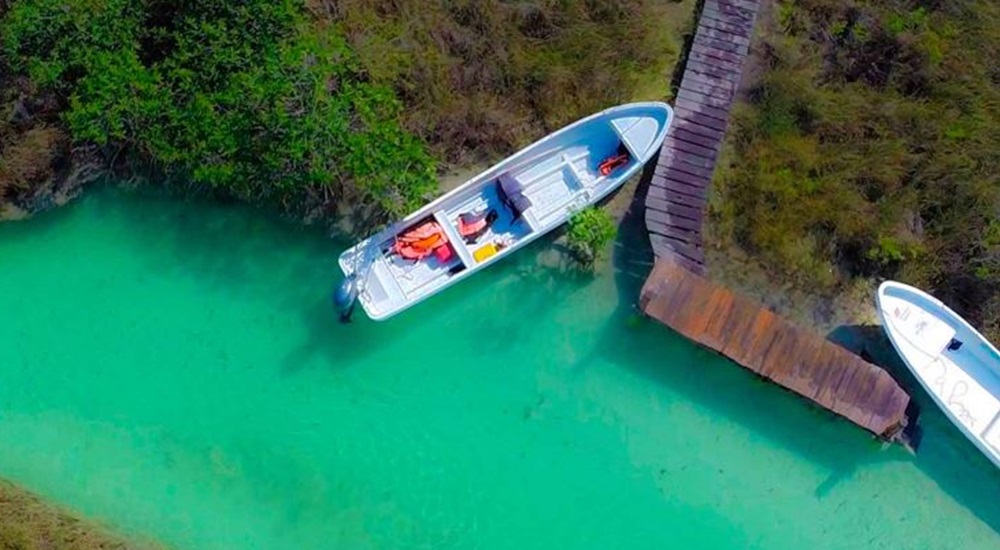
(28, 523)
(866, 148)
(340, 113)
(344, 114)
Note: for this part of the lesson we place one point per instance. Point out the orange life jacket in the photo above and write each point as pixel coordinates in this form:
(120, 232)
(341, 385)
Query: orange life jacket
(411, 253)
(611, 163)
(420, 242)
(422, 232)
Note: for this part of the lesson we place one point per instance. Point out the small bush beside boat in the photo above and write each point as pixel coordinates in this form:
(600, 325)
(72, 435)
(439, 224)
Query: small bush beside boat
(590, 232)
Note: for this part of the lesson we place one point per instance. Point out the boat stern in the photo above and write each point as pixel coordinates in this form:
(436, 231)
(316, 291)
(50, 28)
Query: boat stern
(364, 281)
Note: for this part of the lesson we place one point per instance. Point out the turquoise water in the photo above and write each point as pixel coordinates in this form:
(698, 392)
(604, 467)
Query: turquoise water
(173, 369)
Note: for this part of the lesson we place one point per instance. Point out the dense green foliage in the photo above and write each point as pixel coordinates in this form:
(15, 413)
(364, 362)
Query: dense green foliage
(250, 96)
(481, 78)
(870, 149)
(309, 103)
(590, 232)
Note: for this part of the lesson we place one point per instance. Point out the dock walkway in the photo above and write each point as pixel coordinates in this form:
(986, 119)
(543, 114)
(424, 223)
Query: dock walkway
(675, 200)
(754, 337)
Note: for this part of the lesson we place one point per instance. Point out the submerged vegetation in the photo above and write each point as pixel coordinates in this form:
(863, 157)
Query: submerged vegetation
(591, 230)
(26, 523)
(308, 105)
(868, 148)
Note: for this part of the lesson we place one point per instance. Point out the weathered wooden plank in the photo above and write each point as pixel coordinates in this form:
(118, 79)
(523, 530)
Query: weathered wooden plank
(752, 6)
(699, 67)
(704, 40)
(714, 334)
(701, 130)
(699, 301)
(659, 193)
(729, 25)
(681, 134)
(774, 363)
(673, 155)
(693, 267)
(711, 81)
(672, 174)
(816, 366)
(725, 17)
(710, 101)
(826, 393)
(738, 326)
(720, 93)
(681, 147)
(763, 342)
(689, 251)
(685, 211)
(742, 345)
(700, 119)
(727, 12)
(678, 233)
(723, 36)
(727, 60)
(699, 171)
(702, 109)
(676, 208)
(685, 188)
(673, 221)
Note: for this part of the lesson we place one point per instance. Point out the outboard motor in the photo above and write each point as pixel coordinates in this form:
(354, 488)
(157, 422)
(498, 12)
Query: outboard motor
(346, 296)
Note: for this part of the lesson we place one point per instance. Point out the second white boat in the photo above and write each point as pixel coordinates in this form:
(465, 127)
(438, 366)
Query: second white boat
(957, 366)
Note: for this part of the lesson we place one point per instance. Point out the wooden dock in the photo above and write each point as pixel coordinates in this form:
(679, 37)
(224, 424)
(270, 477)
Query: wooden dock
(754, 337)
(675, 200)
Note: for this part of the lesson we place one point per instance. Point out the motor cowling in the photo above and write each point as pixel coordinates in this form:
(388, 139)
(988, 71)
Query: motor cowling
(346, 297)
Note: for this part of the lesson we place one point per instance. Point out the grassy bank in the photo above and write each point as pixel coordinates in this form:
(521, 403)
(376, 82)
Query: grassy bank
(306, 105)
(867, 149)
(27, 523)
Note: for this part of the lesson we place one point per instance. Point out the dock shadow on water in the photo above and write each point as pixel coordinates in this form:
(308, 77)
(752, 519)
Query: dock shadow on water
(724, 387)
(944, 454)
(779, 415)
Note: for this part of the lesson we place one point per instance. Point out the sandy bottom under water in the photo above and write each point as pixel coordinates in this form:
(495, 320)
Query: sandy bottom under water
(174, 370)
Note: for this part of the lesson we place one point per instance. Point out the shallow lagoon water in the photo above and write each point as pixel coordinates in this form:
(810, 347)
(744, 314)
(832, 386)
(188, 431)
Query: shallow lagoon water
(174, 370)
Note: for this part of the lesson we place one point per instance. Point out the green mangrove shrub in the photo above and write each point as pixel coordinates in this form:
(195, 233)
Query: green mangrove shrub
(591, 230)
(250, 97)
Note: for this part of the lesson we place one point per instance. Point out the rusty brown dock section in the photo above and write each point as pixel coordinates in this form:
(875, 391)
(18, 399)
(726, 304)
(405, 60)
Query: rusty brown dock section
(756, 338)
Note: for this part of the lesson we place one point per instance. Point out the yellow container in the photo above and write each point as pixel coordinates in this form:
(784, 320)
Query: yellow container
(484, 252)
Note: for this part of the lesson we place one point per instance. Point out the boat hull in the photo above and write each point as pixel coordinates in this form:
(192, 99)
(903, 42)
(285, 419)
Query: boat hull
(953, 362)
(551, 178)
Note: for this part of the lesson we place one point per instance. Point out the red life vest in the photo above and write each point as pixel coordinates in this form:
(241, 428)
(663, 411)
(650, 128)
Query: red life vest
(420, 242)
(471, 228)
(610, 163)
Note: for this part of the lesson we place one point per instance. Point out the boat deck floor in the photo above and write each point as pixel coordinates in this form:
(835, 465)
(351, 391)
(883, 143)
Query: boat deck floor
(418, 277)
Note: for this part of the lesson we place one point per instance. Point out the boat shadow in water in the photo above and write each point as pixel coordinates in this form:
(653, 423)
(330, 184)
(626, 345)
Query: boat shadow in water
(944, 454)
(232, 250)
